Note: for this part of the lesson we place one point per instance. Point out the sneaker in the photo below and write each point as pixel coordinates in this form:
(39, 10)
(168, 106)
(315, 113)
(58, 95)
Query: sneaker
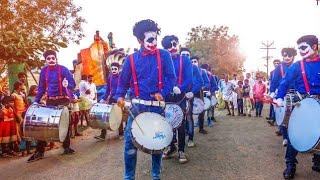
(228, 114)
(213, 119)
(191, 143)
(169, 152)
(249, 115)
(196, 124)
(278, 133)
(68, 151)
(120, 137)
(284, 142)
(35, 157)
(182, 158)
(202, 131)
(100, 138)
(210, 123)
(271, 122)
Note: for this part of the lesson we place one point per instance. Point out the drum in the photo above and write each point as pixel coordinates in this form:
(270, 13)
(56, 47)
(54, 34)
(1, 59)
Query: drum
(304, 126)
(198, 106)
(174, 115)
(214, 101)
(105, 116)
(280, 112)
(46, 123)
(125, 112)
(156, 136)
(207, 103)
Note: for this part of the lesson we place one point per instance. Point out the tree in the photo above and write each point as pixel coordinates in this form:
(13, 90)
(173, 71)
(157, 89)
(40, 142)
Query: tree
(217, 48)
(28, 27)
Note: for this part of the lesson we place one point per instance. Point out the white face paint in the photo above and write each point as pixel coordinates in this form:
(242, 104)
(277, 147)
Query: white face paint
(174, 47)
(195, 62)
(185, 53)
(150, 41)
(114, 70)
(51, 60)
(287, 58)
(305, 50)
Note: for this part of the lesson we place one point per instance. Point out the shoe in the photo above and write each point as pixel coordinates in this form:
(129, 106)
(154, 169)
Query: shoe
(268, 118)
(12, 153)
(213, 119)
(202, 131)
(271, 122)
(196, 124)
(191, 143)
(169, 152)
(249, 115)
(289, 172)
(210, 123)
(5, 155)
(278, 133)
(35, 157)
(285, 142)
(238, 114)
(100, 138)
(68, 151)
(120, 137)
(228, 114)
(316, 165)
(78, 134)
(244, 115)
(232, 114)
(182, 158)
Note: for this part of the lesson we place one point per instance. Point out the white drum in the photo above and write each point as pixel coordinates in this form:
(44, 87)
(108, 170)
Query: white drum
(46, 123)
(198, 106)
(155, 134)
(105, 116)
(174, 115)
(207, 103)
(214, 101)
(280, 112)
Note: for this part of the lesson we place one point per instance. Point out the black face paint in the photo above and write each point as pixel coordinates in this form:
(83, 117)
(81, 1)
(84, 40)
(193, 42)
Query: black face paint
(150, 40)
(303, 47)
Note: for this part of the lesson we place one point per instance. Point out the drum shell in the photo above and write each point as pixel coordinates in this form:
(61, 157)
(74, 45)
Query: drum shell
(174, 115)
(198, 106)
(207, 103)
(43, 123)
(100, 114)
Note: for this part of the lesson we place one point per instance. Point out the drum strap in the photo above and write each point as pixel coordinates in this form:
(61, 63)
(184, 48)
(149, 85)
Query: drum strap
(281, 70)
(180, 72)
(135, 80)
(304, 76)
(59, 76)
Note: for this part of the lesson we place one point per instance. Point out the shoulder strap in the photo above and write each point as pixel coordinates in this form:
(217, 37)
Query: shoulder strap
(159, 69)
(134, 75)
(304, 76)
(60, 80)
(180, 72)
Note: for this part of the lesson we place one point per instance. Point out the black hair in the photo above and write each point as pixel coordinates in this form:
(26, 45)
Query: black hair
(89, 76)
(205, 66)
(32, 88)
(17, 84)
(276, 60)
(115, 64)
(6, 99)
(21, 74)
(49, 52)
(166, 41)
(84, 77)
(289, 51)
(143, 26)
(309, 39)
(185, 49)
(195, 57)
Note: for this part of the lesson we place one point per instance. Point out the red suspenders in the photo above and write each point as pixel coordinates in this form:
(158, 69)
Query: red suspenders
(60, 81)
(304, 76)
(180, 72)
(134, 75)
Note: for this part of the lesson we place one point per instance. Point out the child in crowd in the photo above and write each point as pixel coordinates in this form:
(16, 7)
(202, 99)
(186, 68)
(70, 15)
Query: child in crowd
(32, 94)
(75, 115)
(239, 91)
(258, 93)
(246, 98)
(8, 128)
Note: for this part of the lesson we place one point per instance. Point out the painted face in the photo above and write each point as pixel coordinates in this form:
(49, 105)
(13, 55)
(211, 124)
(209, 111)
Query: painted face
(150, 41)
(173, 48)
(195, 62)
(185, 53)
(114, 70)
(51, 60)
(287, 58)
(305, 50)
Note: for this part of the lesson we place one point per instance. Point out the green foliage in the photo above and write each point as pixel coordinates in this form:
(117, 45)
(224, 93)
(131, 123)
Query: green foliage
(29, 27)
(217, 48)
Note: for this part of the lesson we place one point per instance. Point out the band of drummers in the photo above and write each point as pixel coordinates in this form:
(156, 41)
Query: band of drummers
(156, 98)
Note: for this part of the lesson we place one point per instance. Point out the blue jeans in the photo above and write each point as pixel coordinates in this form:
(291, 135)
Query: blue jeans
(130, 151)
(190, 122)
(259, 106)
(284, 132)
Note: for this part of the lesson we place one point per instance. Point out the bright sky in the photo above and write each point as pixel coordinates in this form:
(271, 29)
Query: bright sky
(254, 21)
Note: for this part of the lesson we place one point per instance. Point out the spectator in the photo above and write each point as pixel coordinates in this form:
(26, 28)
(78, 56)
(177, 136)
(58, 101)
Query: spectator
(246, 98)
(258, 93)
(239, 91)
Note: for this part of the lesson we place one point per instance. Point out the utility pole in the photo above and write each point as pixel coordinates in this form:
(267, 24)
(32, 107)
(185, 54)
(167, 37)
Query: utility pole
(267, 46)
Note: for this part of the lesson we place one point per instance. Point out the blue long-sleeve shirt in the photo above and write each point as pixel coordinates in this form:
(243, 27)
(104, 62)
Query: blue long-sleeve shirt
(277, 76)
(54, 83)
(186, 81)
(294, 77)
(146, 68)
(197, 81)
(112, 84)
(213, 83)
(205, 78)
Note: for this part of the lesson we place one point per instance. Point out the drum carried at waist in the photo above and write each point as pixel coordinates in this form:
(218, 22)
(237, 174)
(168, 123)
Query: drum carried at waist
(207, 103)
(174, 115)
(46, 123)
(283, 113)
(214, 101)
(105, 116)
(304, 126)
(198, 106)
(151, 133)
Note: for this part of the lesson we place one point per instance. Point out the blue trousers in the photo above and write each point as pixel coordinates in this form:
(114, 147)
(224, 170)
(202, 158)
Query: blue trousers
(190, 122)
(259, 106)
(130, 151)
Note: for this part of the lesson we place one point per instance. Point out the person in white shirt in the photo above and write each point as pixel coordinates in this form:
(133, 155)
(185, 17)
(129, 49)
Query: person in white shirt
(93, 90)
(228, 94)
(85, 103)
(234, 81)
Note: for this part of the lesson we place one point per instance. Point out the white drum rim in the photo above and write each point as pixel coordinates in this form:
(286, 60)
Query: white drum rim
(282, 110)
(115, 118)
(202, 108)
(207, 103)
(214, 101)
(170, 122)
(64, 124)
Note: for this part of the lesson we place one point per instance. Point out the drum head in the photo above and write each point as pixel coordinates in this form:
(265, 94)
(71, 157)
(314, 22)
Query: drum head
(198, 106)
(280, 112)
(174, 115)
(157, 132)
(115, 118)
(214, 101)
(304, 125)
(63, 124)
(207, 103)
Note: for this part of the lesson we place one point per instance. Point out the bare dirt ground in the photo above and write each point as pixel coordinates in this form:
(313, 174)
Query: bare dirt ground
(235, 148)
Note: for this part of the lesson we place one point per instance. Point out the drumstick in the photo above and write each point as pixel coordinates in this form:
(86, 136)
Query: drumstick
(134, 119)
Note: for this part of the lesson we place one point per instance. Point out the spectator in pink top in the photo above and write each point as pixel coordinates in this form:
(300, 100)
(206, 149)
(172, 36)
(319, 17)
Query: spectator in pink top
(258, 93)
